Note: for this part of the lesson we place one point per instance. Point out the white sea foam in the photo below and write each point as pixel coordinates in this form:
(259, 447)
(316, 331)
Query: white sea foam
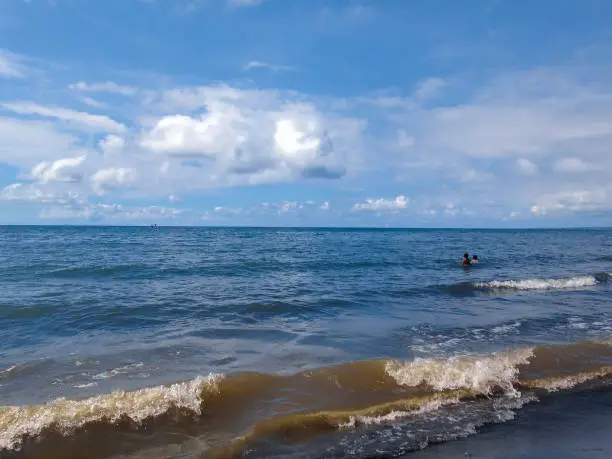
(86, 385)
(7, 371)
(64, 415)
(568, 382)
(503, 329)
(395, 415)
(541, 284)
(480, 374)
(125, 369)
(505, 409)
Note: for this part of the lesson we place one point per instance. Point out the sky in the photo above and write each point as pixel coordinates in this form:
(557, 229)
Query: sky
(375, 113)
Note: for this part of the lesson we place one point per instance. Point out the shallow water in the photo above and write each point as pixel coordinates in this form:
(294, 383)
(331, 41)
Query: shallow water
(195, 342)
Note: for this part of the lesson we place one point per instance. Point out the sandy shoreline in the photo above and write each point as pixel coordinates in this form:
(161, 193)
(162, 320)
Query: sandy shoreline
(572, 426)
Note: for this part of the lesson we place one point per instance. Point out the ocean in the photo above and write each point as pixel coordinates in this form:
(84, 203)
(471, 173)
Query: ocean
(142, 342)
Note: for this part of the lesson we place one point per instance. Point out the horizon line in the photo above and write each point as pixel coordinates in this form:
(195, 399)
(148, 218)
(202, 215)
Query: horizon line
(151, 225)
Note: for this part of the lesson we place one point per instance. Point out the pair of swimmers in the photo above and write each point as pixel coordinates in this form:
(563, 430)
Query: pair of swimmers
(467, 261)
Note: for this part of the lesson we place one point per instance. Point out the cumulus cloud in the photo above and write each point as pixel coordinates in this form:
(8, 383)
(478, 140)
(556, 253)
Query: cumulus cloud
(246, 136)
(178, 141)
(62, 170)
(112, 144)
(382, 204)
(112, 178)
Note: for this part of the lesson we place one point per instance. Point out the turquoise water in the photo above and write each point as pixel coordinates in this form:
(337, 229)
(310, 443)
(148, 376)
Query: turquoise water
(87, 311)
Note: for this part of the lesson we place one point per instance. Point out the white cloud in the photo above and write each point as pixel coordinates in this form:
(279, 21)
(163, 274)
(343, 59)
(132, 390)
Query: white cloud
(108, 86)
(181, 134)
(251, 65)
(112, 178)
(520, 115)
(291, 141)
(11, 65)
(73, 206)
(404, 140)
(26, 143)
(571, 165)
(93, 102)
(526, 166)
(489, 131)
(289, 207)
(114, 213)
(186, 139)
(244, 2)
(112, 144)
(382, 204)
(97, 122)
(227, 211)
(32, 194)
(585, 200)
(62, 170)
(248, 136)
(429, 88)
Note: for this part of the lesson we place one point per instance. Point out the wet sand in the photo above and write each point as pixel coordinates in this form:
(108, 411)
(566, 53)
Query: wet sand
(572, 426)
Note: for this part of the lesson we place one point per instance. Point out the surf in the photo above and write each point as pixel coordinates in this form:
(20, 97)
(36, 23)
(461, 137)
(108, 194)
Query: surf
(238, 411)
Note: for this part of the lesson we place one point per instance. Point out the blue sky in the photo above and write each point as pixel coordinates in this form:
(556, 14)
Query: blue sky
(486, 113)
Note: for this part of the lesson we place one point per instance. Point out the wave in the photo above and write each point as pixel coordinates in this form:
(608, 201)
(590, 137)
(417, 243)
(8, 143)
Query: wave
(240, 410)
(65, 416)
(93, 271)
(567, 283)
(493, 287)
(210, 268)
(480, 375)
(542, 284)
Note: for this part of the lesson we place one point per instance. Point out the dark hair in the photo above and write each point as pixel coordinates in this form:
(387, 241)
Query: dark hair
(466, 255)
(475, 257)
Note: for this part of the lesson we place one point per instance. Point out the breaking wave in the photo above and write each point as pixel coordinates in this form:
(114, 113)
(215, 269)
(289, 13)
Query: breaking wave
(568, 283)
(65, 416)
(241, 410)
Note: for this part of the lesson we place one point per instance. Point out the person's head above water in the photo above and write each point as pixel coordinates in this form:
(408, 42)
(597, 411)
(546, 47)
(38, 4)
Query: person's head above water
(474, 257)
(466, 255)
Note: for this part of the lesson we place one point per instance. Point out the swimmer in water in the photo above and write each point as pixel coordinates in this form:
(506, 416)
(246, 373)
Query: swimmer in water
(474, 258)
(466, 260)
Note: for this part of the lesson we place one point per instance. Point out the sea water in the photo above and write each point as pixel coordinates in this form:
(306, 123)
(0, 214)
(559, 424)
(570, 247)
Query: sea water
(261, 342)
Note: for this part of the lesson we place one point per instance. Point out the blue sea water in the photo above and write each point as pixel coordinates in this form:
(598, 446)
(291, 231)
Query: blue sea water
(88, 311)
